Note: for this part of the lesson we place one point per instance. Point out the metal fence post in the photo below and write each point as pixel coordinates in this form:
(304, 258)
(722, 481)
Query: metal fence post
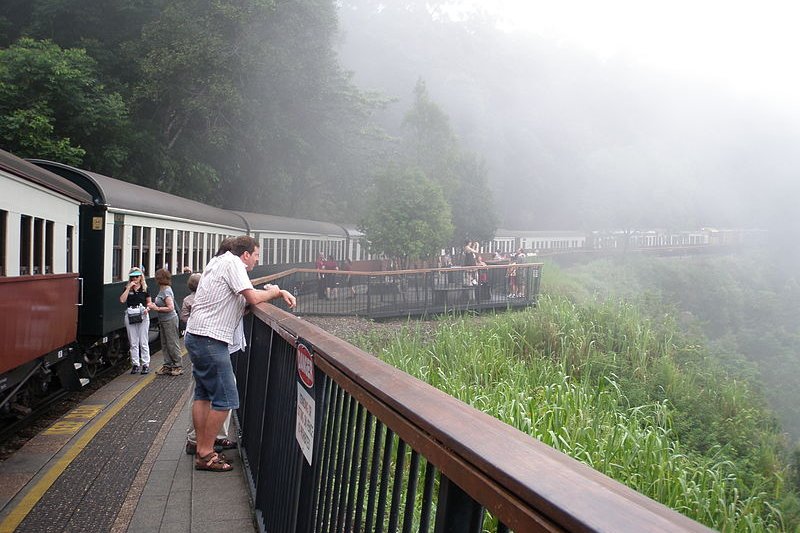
(456, 512)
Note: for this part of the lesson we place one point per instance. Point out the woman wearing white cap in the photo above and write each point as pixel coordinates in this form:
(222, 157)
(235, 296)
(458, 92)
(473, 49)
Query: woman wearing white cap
(137, 321)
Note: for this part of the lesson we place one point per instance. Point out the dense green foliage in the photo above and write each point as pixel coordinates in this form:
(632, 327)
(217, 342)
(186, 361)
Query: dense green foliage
(409, 217)
(241, 104)
(746, 307)
(627, 388)
(53, 106)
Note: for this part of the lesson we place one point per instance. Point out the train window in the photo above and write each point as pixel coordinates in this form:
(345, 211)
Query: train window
(3, 223)
(183, 249)
(180, 261)
(116, 251)
(48, 247)
(145, 248)
(25, 223)
(159, 248)
(199, 239)
(281, 255)
(268, 252)
(38, 246)
(136, 243)
(70, 239)
(168, 250)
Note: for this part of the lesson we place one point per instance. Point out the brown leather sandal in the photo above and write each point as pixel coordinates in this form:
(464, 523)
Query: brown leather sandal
(212, 463)
(226, 444)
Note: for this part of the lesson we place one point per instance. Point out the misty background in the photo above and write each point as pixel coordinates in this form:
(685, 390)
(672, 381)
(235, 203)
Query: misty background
(522, 115)
(296, 107)
(575, 141)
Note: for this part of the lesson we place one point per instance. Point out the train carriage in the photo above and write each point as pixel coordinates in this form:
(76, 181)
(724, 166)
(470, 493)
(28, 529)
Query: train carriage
(285, 240)
(39, 285)
(542, 241)
(129, 225)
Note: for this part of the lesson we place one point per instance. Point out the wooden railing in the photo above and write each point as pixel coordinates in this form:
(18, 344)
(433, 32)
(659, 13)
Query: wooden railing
(410, 292)
(383, 451)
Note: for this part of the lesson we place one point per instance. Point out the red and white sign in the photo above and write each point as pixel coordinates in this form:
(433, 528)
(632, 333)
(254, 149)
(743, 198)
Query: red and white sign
(305, 366)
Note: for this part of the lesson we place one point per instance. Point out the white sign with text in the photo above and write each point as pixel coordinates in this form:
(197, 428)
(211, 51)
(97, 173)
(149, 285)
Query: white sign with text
(304, 428)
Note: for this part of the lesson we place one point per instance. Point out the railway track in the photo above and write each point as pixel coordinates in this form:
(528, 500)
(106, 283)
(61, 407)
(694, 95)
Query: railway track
(15, 433)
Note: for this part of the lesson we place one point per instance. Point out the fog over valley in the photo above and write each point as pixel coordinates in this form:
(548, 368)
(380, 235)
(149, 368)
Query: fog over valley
(576, 138)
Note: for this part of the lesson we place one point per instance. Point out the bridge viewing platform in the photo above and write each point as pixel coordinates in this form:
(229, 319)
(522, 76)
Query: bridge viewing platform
(416, 292)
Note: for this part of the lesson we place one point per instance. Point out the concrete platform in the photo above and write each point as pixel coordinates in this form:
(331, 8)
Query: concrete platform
(117, 463)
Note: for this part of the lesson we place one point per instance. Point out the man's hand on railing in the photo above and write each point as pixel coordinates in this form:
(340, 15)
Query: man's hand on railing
(289, 298)
(273, 291)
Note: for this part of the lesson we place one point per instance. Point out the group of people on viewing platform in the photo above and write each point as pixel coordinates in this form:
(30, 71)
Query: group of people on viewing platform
(328, 282)
(214, 331)
(137, 322)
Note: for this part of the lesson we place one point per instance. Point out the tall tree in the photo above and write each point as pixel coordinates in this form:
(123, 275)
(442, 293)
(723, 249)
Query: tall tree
(104, 28)
(249, 97)
(51, 105)
(430, 144)
(407, 216)
(314, 129)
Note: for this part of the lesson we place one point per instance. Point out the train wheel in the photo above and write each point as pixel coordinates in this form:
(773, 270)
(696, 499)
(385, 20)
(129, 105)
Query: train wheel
(91, 362)
(115, 350)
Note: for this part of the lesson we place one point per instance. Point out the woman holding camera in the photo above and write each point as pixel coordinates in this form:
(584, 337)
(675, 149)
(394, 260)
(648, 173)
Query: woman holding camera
(137, 321)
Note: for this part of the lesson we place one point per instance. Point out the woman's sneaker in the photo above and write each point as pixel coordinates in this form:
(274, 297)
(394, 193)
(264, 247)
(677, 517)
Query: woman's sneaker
(145, 369)
(135, 369)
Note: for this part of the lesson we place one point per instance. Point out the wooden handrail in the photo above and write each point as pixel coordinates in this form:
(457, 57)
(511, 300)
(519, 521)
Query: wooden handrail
(526, 484)
(285, 273)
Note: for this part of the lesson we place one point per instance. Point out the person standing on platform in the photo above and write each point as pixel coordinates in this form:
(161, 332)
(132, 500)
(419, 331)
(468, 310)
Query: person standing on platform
(330, 265)
(471, 260)
(511, 274)
(186, 306)
(223, 440)
(167, 325)
(239, 344)
(220, 301)
(347, 266)
(137, 320)
(320, 265)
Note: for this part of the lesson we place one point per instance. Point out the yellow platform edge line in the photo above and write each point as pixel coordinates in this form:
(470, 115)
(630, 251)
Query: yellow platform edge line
(21, 510)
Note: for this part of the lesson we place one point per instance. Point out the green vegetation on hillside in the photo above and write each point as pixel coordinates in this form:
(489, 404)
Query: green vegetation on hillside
(745, 306)
(240, 104)
(625, 387)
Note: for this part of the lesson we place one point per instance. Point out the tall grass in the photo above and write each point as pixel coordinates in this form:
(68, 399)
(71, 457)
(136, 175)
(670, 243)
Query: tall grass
(630, 398)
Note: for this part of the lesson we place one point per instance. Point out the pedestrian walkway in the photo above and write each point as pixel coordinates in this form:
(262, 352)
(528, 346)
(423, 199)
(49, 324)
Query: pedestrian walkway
(178, 498)
(117, 463)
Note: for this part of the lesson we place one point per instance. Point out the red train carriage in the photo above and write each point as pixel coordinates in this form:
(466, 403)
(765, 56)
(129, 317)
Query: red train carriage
(39, 285)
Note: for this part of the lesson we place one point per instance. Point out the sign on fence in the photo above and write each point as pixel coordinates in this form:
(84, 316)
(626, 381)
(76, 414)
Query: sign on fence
(304, 425)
